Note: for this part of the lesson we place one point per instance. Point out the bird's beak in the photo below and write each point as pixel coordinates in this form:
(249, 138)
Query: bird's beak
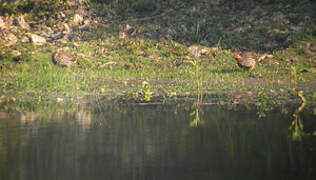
(238, 57)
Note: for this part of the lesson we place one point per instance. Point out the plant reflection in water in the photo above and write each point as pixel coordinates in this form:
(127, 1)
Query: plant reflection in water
(297, 127)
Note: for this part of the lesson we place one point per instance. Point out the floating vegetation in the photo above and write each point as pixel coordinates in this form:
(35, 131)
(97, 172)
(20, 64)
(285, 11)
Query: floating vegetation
(265, 103)
(143, 94)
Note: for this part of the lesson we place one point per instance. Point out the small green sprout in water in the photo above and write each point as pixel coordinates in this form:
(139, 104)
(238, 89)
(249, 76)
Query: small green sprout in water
(196, 66)
(196, 121)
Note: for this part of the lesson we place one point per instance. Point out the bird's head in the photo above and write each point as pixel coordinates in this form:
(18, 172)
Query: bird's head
(54, 57)
(237, 57)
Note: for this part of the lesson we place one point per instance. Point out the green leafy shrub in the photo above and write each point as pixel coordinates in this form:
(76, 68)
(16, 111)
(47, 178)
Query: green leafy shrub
(282, 1)
(144, 5)
(39, 8)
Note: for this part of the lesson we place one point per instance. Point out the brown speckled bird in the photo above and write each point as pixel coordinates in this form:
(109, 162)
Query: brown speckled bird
(246, 60)
(63, 59)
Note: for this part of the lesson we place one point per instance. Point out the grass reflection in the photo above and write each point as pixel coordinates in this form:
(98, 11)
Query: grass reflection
(297, 127)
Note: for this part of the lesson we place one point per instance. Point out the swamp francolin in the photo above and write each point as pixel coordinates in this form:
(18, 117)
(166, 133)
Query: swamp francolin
(63, 59)
(246, 60)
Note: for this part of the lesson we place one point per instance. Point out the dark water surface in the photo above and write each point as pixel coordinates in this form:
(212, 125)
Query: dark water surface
(152, 142)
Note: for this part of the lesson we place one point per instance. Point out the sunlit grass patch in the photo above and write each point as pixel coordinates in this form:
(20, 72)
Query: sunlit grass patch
(116, 65)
